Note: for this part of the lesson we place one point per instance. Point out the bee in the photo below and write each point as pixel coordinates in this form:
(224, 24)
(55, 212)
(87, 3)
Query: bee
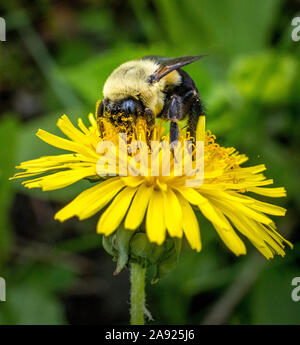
(152, 87)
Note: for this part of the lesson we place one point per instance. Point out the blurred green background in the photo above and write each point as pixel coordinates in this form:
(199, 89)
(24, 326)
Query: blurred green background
(55, 61)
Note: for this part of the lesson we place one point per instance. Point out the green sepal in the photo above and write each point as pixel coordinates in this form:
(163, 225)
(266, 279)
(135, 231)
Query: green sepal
(168, 260)
(163, 257)
(117, 245)
(108, 246)
(122, 242)
(134, 246)
(140, 247)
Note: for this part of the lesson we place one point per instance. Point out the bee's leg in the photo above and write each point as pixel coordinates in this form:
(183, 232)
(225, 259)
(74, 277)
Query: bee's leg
(174, 132)
(175, 114)
(196, 110)
(99, 116)
(150, 120)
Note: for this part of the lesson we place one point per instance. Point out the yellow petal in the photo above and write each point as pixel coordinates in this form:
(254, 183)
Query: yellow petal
(252, 230)
(203, 204)
(231, 240)
(172, 213)
(82, 126)
(190, 224)
(229, 236)
(114, 214)
(132, 181)
(272, 192)
(60, 179)
(57, 141)
(263, 206)
(190, 194)
(259, 237)
(247, 211)
(91, 200)
(200, 131)
(66, 126)
(138, 207)
(65, 144)
(272, 232)
(92, 120)
(227, 195)
(155, 223)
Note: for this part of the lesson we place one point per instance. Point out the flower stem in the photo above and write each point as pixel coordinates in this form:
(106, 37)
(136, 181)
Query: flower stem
(137, 297)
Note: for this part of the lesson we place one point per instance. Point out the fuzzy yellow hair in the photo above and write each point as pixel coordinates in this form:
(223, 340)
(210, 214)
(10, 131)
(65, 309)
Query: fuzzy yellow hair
(131, 79)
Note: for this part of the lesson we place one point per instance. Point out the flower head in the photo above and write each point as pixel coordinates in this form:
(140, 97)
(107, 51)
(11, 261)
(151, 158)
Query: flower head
(163, 205)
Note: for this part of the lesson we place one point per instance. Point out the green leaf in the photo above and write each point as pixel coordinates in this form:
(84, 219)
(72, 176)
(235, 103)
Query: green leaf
(231, 27)
(28, 305)
(8, 137)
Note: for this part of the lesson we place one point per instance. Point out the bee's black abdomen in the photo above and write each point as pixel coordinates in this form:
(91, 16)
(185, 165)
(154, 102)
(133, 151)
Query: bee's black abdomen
(187, 83)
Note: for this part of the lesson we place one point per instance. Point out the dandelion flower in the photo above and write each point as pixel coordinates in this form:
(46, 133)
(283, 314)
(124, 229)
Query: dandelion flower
(162, 205)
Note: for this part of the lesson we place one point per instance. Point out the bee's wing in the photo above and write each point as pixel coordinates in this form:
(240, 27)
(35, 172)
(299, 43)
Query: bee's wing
(168, 65)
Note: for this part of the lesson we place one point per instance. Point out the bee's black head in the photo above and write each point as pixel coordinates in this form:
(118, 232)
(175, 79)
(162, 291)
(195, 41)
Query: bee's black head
(126, 106)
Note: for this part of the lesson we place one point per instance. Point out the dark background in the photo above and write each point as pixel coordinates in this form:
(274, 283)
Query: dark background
(55, 61)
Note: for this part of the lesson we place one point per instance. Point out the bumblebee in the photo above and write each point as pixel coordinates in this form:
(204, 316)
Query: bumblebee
(152, 87)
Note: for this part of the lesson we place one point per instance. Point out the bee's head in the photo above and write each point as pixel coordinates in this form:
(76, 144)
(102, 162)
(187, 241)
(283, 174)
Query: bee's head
(125, 106)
